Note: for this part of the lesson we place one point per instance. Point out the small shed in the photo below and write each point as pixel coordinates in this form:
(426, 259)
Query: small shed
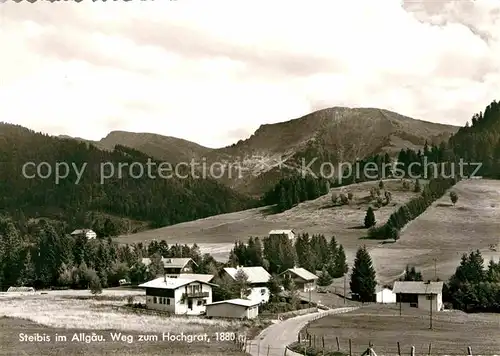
(385, 295)
(233, 308)
(21, 290)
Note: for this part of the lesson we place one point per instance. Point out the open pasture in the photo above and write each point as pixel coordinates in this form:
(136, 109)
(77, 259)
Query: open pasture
(435, 241)
(452, 331)
(217, 234)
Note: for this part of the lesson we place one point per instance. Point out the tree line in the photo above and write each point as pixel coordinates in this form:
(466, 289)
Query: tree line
(472, 287)
(295, 189)
(45, 256)
(277, 253)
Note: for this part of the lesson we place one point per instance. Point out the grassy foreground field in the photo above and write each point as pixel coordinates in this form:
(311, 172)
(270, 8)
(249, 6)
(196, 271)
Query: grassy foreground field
(452, 331)
(67, 313)
(217, 234)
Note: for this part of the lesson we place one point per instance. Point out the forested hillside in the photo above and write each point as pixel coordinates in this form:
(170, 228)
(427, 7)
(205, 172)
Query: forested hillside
(157, 201)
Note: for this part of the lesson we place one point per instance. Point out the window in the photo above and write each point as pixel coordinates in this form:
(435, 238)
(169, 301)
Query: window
(161, 300)
(154, 300)
(168, 301)
(429, 297)
(262, 291)
(204, 302)
(199, 303)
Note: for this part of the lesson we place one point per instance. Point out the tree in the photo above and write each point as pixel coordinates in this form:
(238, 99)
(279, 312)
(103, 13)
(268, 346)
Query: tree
(370, 218)
(324, 278)
(363, 276)
(418, 187)
(94, 282)
(274, 288)
(381, 184)
(241, 284)
(340, 263)
(406, 185)
(453, 197)
(28, 273)
(155, 268)
(388, 197)
(411, 274)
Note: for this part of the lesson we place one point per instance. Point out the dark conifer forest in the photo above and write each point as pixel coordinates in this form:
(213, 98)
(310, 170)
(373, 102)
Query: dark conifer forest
(157, 202)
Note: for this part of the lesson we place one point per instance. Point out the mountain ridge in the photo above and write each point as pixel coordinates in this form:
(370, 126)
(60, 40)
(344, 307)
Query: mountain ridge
(335, 134)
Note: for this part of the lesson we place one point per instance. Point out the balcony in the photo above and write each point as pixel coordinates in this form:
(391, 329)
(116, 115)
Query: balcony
(196, 295)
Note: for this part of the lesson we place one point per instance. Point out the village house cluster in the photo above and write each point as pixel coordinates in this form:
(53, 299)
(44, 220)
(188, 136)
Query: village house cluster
(180, 291)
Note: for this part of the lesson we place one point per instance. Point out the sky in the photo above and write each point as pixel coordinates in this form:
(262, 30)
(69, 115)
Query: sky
(213, 71)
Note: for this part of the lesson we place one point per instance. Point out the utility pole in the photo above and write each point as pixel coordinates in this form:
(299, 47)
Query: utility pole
(309, 297)
(344, 286)
(430, 320)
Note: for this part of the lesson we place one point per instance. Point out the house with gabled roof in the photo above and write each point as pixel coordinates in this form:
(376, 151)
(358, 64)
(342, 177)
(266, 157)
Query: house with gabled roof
(173, 267)
(186, 296)
(257, 278)
(423, 295)
(89, 234)
(304, 280)
(288, 233)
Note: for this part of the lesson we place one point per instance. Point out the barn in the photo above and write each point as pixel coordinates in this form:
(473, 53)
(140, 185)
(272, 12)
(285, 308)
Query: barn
(233, 308)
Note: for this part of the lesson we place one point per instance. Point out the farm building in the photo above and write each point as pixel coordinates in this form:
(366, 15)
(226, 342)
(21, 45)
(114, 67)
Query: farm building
(289, 233)
(21, 290)
(257, 278)
(423, 295)
(385, 295)
(89, 234)
(178, 295)
(233, 308)
(303, 279)
(173, 267)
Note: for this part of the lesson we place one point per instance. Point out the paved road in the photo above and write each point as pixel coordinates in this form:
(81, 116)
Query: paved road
(279, 335)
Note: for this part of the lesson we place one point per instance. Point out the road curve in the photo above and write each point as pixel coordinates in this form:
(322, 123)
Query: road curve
(277, 336)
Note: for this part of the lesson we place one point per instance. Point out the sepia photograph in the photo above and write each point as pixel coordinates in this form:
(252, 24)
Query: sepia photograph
(250, 178)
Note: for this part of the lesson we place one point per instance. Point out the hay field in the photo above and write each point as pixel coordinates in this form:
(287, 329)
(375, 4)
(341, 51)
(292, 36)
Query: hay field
(217, 234)
(70, 312)
(452, 333)
(436, 240)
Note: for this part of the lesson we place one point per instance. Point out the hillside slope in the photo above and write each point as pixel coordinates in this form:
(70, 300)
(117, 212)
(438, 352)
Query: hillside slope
(101, 188)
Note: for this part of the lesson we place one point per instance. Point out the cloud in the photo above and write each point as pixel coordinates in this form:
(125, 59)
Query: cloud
(212, 72)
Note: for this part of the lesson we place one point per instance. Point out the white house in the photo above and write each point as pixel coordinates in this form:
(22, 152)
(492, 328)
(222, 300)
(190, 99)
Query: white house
(385, 295)
(233, 308)
(89, 234)
(174, 267)
(178, 295)
(304, 280)
(289, 233)
(423, 295)
(257, 278)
